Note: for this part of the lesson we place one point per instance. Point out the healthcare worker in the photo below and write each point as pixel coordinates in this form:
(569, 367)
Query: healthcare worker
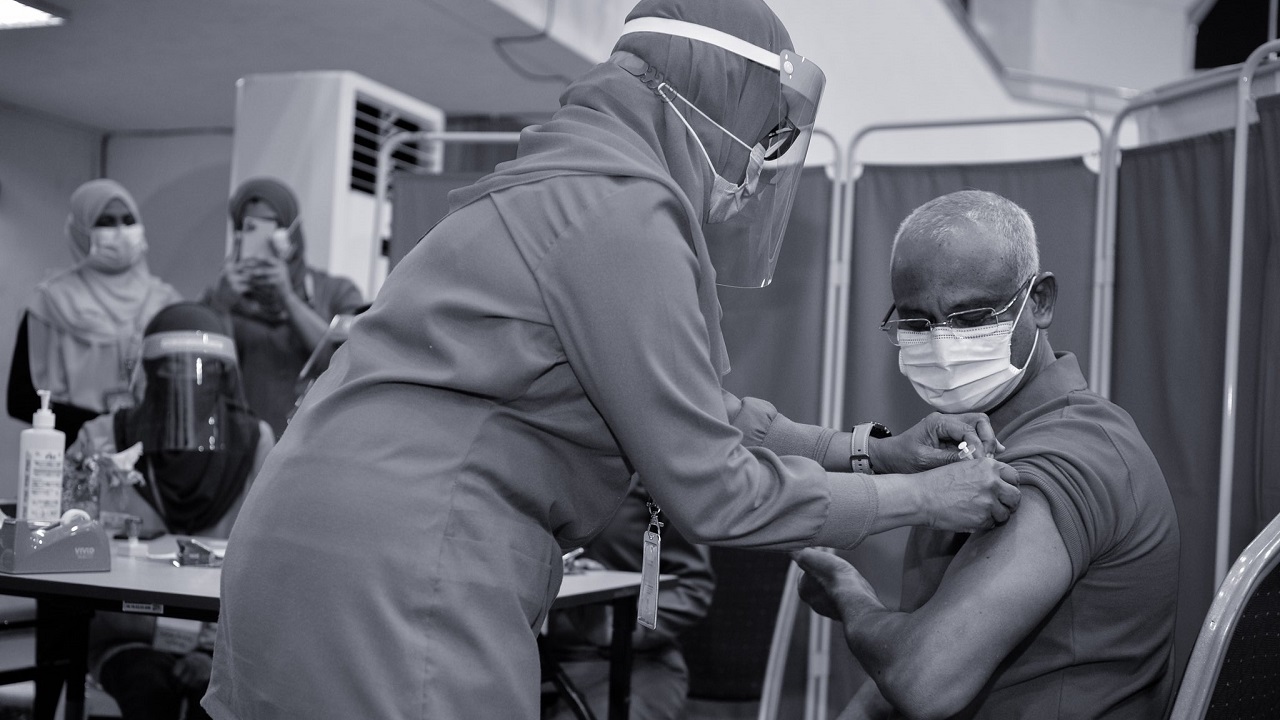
(558, 331)
(81, 335)
(277, 307)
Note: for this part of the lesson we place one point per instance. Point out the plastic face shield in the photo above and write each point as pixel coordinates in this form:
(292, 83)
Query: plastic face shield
(188, 374)
(744, 249)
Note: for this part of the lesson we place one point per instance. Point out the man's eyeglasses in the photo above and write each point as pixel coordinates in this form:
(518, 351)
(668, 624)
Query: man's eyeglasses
(976, 317)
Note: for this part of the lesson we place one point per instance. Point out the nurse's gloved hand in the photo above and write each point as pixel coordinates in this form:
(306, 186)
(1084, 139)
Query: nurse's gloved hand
(933, 442)
(968, 496)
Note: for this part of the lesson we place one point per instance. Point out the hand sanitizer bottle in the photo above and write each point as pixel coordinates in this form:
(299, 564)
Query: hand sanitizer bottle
(40, 450)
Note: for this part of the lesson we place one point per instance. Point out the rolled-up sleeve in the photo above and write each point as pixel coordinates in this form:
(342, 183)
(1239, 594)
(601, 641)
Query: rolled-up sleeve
(620, 286)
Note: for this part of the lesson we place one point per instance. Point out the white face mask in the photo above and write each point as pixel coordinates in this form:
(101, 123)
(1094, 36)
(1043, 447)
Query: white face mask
(959, 370)
(115, 249)
(725, 199)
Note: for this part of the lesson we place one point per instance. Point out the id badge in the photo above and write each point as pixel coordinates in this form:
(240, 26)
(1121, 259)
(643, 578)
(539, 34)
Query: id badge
(648, 603)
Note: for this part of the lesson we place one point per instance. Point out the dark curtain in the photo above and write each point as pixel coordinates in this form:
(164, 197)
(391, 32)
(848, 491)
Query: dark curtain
(418, 203)
(1060, 196)
(1172, 248)
(774, 334)
(481, 157)
(1264, 465)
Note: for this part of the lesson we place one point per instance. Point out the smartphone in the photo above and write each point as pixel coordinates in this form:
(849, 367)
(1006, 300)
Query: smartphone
(255, 238)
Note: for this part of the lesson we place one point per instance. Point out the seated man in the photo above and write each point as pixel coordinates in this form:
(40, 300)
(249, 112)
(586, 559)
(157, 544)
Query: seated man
(1067, 609)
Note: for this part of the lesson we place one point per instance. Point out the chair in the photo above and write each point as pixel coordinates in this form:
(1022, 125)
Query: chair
(1234, 670)
(738, 651)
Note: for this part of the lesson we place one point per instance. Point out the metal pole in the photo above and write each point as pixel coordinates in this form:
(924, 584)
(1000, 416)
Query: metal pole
(835, 279)
(771, 693)
(383, 176)
(1271, 22)
(1235, 288)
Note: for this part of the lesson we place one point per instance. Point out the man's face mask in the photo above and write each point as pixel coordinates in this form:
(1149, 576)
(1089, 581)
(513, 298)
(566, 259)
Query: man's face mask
(725, 199)
(117, 248)
(963, 369)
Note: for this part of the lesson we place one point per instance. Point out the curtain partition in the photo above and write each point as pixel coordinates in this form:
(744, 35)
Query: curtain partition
(774, 334)
(1173, 234)
(420, 202)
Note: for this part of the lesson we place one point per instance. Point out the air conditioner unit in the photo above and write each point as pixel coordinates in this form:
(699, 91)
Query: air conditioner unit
(319, 132)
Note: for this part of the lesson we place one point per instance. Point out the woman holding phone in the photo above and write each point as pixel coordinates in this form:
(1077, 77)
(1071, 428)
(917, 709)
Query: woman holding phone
(277, 306)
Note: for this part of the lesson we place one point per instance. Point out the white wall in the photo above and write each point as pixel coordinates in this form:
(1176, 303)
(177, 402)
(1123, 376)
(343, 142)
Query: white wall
(42, 162)
(906, 61)
(885, 61)
(181, 184)
(1135, 43)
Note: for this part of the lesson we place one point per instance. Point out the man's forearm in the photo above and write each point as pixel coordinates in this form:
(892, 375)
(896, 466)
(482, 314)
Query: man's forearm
(867, 704)
(888, 646)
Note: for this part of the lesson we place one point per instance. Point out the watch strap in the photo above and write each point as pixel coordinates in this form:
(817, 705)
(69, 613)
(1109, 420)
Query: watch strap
(859, 449)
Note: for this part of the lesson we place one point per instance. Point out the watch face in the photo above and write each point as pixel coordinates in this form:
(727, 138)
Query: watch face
(879, 431)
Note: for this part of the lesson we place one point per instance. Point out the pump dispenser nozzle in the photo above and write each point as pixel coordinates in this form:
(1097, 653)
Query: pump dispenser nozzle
(43, 419)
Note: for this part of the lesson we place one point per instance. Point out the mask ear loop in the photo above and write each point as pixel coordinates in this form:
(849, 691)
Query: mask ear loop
(697, 110)
(1036, 341)
(680, 115)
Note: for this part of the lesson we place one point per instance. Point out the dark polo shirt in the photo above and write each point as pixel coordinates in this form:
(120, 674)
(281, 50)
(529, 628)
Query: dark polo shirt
(1106, 650)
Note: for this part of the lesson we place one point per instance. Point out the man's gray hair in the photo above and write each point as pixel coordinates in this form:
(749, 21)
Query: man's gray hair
(1008, 226)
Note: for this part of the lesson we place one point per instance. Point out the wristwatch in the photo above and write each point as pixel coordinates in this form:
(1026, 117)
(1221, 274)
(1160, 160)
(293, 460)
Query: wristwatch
(860, 445)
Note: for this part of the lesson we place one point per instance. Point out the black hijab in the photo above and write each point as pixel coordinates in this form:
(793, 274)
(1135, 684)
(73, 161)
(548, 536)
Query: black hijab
(191, 491)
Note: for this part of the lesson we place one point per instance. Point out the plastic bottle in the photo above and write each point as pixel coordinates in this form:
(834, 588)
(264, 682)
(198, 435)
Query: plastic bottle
(40, 451)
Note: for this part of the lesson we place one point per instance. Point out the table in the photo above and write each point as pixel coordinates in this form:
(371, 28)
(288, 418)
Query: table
(66, 602)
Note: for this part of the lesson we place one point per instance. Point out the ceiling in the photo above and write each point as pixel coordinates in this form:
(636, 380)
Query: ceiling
(160, 64)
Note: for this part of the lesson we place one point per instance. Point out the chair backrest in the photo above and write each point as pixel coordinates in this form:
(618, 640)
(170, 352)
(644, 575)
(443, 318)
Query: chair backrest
(728, 651)
(1234, 670)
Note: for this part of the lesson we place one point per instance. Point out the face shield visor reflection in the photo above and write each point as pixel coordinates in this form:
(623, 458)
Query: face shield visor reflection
(745, 248)
(189, 377)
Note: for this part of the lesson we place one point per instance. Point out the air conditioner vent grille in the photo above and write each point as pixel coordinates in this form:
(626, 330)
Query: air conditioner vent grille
(374, 123)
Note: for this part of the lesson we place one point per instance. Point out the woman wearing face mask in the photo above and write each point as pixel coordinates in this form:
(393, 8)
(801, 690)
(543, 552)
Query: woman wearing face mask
(278, 307)
(82, 332)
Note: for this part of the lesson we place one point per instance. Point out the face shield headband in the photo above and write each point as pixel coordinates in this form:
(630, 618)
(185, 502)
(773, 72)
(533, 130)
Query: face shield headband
(744, 248)
(189, 376)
